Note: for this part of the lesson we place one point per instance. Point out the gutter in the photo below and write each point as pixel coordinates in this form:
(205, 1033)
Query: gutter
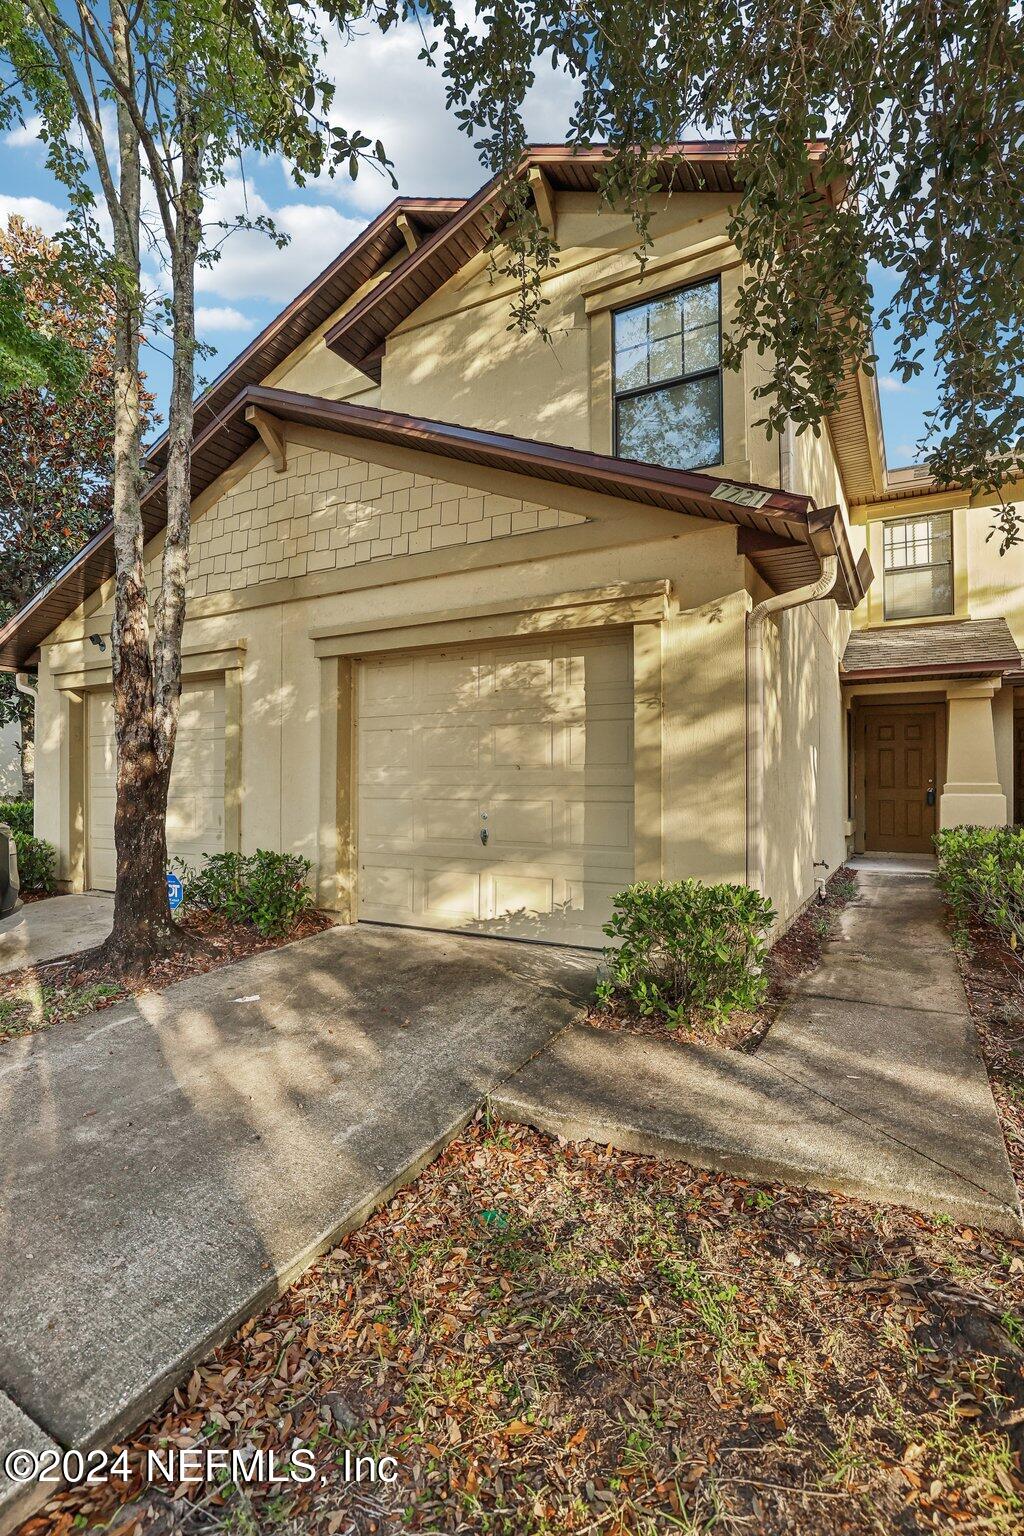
(755, 732)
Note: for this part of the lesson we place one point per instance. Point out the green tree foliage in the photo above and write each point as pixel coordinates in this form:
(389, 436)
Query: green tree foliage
(917, 109)
(31, 358)
(192, 87)
(56, 430)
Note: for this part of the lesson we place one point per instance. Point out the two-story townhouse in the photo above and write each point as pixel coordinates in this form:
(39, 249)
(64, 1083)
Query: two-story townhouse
(932, 670)
(490, 624)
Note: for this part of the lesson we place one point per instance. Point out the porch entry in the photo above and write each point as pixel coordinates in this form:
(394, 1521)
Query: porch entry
(901, 752)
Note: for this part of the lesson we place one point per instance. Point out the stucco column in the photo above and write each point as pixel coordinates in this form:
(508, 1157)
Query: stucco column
(972, 793)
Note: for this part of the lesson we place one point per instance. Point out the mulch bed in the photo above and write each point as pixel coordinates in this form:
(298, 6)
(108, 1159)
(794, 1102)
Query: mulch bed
(994, 981)
(794, 955)
(567, 1339)
(40, 996)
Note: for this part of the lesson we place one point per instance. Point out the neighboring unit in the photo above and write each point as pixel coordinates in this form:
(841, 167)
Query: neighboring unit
(489, 625)
(932, 672)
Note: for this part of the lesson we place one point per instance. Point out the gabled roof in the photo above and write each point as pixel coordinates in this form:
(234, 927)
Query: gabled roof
(784, 535)
(362, 259)
(360, 335)
(959, 648)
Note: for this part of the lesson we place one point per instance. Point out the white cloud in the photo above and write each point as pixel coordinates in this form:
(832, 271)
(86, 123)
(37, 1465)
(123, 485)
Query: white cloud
(34, 210)
(251, 266)
(222, 317)
(25, 135)
(890, 384)
(385, 90)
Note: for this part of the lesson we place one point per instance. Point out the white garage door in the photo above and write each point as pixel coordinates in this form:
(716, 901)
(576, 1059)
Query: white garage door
(530, 745)
(195, 803)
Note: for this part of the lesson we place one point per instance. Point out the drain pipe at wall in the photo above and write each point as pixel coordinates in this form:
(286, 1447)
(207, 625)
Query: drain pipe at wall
(756, 619)
(23, 685)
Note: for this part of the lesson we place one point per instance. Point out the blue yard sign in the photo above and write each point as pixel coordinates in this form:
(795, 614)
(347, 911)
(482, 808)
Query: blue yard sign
(175, 892)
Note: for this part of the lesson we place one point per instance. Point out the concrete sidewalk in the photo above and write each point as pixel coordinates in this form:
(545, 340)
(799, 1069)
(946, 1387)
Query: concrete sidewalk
(870, 1082)
(56, 926)
(171, 1163)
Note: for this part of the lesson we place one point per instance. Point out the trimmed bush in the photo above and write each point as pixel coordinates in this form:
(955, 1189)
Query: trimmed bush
(266, 890)
(687, 950)
(18, 815)
(37, 863)
(981, 872)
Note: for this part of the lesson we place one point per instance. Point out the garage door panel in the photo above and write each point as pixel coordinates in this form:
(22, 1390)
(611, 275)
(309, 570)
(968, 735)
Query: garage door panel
(195, 798)
(529, 742)
(451, 894)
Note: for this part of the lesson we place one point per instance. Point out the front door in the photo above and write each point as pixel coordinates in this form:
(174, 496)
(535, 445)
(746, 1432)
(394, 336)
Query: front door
(900, 778)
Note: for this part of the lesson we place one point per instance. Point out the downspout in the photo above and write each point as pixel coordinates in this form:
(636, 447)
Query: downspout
(756, 619)
(23, 685)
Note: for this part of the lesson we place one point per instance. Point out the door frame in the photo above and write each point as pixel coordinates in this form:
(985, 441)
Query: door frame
(863, 708)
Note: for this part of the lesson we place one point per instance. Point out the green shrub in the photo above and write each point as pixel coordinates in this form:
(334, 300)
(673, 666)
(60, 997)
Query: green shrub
(687, 950)
(18, 815)
(266, 890)
(37, 863)
(981, 872)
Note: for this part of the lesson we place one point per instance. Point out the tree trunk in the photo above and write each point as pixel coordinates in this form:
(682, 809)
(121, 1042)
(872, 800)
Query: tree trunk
(143, 927)
(27, 728)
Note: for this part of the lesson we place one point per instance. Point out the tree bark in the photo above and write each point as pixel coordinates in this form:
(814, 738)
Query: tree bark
(27, 732)
(143, 927)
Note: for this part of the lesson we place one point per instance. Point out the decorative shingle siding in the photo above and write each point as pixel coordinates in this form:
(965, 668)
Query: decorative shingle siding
(326, 512)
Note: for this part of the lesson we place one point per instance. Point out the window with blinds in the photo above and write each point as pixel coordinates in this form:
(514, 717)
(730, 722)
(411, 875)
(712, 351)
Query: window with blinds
(918, 566)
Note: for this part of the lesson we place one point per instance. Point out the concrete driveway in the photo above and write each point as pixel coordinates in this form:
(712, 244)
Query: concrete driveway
(59, 925)
(170, 1163)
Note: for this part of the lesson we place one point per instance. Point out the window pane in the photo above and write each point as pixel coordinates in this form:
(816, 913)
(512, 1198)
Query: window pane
(631, 327)
(631, 368)
(679, 426)
(917, 557)
(700, 306)
(666, 358)
(666, 317)
(918, 541)
(702, 348)
(918, 594)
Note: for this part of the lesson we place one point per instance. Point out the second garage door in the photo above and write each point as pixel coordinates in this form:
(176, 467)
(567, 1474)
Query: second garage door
(495, 787)
(195, 802)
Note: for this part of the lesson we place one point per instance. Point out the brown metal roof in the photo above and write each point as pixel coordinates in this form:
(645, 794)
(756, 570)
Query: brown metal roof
(958, 648)
(790, 532)
(361, 260)
(359, 336)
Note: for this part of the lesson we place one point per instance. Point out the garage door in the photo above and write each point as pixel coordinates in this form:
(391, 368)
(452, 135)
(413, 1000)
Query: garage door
(495, 788)
(195, 803)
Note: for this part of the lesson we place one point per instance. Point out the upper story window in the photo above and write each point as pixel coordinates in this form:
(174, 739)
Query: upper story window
(918, 566)
(668, 378)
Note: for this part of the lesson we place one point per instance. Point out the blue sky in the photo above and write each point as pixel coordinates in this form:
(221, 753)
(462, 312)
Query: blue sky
(254, 280)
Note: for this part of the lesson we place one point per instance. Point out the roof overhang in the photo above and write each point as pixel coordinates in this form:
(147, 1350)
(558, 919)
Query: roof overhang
(405, 221)
(794, 534)
(360, 336)
(937, 670)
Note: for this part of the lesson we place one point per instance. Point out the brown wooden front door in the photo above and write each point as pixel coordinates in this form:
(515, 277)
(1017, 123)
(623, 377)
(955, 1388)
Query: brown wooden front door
(1018, 768)
(900, 770)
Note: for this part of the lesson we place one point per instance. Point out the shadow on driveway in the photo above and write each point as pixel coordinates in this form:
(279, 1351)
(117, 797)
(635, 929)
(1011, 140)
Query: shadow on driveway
(171, 1162)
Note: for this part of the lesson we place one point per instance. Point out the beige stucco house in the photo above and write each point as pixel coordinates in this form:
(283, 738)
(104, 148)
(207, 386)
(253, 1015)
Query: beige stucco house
(489, 625)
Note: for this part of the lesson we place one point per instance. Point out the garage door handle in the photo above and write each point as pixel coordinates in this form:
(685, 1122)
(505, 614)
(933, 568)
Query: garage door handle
(483, 835)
